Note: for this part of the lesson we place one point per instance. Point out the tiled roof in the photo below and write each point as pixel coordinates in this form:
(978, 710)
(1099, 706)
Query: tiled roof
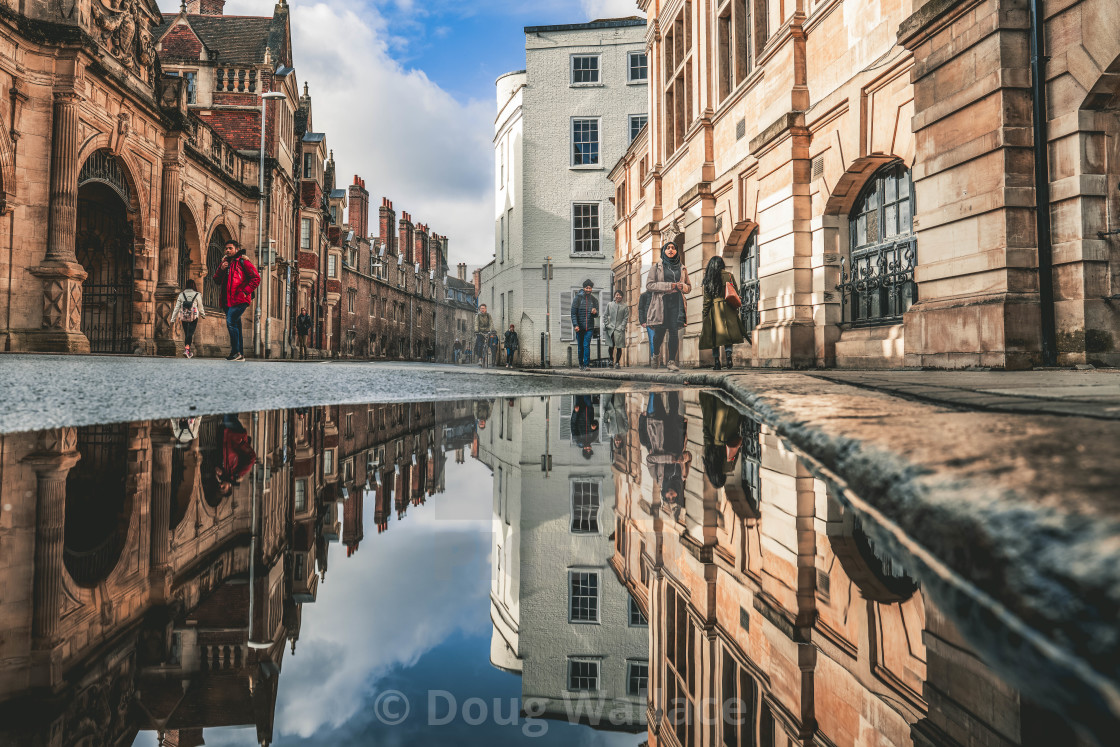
(236, 39)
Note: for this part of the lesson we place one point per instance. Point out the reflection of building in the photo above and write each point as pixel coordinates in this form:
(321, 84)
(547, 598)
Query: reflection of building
(129, 572)
(767, 591)
(560, 619)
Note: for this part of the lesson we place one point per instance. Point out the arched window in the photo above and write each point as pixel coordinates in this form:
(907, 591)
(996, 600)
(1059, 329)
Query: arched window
(877, 280)
(748, 282)
(211, 294)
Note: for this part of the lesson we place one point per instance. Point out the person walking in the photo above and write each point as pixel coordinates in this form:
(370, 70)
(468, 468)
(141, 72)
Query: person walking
(456, 350)
(303, 326)
(643, 312)
(238, 279)
(585, 310)
(511, 344)
(614, 327)
(188, 309)
(483, 326)
(584, 425)
(722, 326)
(668, 280)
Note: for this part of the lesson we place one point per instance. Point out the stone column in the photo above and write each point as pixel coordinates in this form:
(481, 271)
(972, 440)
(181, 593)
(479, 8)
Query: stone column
(168, 286)
(162, 448)
(60, 272)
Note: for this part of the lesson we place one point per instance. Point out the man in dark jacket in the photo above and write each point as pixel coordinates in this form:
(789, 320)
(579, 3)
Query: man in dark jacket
(584, 425)
(643, 309)
(237, 280)
(483, 326)
(585, 314)
(511, 344)
(303, 326)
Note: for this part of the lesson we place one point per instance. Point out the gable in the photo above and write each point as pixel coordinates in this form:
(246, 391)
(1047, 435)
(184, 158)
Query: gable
(180, 42)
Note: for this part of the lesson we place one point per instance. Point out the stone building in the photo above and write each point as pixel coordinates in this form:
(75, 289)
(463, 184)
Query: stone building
(871, 175)
(562, 122)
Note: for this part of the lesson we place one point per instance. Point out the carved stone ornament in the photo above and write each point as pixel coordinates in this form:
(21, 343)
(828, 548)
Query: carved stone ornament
(124, 29)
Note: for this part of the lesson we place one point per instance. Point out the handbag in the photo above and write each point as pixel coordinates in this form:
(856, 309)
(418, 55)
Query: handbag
(731, 295)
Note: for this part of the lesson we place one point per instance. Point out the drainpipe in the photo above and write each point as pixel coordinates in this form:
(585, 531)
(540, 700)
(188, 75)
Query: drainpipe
(1042, 185)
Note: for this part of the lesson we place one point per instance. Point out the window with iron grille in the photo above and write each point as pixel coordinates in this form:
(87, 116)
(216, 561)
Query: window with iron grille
(585, 142)
(583, 675)
(585, 506)
(583, 596)
(877, 278)
(637, 678)
(585, 227)
(748, 282)
(585, 69)
(638, 67)
(637, 122)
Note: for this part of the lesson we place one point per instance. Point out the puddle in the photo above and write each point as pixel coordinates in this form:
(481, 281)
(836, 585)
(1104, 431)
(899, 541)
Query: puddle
(644, 567)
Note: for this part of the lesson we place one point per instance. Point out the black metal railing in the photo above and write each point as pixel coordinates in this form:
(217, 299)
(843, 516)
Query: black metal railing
(748, 311)
(877, 284)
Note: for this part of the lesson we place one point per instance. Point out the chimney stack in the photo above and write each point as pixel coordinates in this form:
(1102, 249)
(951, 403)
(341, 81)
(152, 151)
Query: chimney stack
(358, 207)
(463, 271)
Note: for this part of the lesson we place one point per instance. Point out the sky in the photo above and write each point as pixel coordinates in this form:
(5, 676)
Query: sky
(404, 90)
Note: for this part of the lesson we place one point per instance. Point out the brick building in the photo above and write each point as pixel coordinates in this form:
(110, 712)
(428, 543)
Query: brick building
(874, 178)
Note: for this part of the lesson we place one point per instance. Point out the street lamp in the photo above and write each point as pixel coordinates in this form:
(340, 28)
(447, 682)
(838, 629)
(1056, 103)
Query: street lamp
(265, 98)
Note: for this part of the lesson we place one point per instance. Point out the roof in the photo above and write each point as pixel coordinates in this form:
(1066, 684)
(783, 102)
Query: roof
(454, 282)
(235, 38)
(605, 23)
(314, 137)
(336, 192)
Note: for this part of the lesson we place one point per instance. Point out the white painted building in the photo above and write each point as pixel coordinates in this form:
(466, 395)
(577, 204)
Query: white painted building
(562, 124)
(561, 618)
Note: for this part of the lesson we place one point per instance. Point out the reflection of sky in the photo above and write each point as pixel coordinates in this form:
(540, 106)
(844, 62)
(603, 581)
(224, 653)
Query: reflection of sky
(410, 611)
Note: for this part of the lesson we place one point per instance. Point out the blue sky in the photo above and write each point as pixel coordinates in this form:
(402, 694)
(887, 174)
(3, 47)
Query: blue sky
(404, 91)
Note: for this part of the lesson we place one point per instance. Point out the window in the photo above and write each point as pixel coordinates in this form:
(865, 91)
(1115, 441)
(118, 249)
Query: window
(305, 233)
(332, 265)
(585, 69)
(877, 279)
(748, 282)
(637, 617)
(680, 671)
(734, 37)
(585, 142)
(637, 122)
(583, 596)
(583, 675)
(308, 166)
(739, 694)
(351, 301)
(637, 678)
(191, 79)
(677, 67)
(638, 67)
(301, 495)
(328, 462)
(502, 239)
(585, 506)
(585, 227)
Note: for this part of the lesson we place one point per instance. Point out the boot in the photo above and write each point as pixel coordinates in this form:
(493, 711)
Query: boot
(727, 365)
(715, 356)
(655, 362)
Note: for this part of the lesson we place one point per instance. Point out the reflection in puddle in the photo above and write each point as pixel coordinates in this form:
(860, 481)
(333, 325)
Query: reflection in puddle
(662, 569)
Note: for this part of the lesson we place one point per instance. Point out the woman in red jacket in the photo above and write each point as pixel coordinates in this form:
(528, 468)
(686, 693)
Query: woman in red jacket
(237, 278)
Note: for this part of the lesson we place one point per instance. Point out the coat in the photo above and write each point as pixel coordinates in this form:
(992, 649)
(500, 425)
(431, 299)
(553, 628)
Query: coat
(722, 325)
(655, 282)
(614, 323)
(643, 307)
(511, 341)
(303, 324)
(585, 308)
(483, 322)
(238, 281)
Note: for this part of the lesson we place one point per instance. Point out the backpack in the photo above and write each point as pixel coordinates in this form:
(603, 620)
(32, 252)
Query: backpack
(189, 312)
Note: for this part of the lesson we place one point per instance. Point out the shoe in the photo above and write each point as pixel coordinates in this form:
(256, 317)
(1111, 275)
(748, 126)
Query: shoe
(231, 357)
(672, 366)
(717, 366)
(239, 357)
(187, 351)
(727, 362)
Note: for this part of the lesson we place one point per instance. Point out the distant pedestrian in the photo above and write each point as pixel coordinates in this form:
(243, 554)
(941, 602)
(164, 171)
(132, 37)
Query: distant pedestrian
(188, 309)
(511, 344)
(669, 282)
(722, 326)
(643, 310)
(237, 280)
(483, 326)
(303, 327)
(614, 328)
(585, 313)
(456, 350)
(492, 347)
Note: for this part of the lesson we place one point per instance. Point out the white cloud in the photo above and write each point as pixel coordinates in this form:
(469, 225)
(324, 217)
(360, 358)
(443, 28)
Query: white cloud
(610, 8)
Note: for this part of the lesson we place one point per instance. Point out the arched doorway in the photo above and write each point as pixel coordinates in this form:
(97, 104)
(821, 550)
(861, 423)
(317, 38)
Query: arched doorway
(748, 282)
(190, 255)
(98, 505)
(215, 248)
(104, 246)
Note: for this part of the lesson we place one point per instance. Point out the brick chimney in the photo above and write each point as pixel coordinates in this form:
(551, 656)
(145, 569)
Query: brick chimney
(358, 208)
(205, 7)
(463, 271)
(422, 243)
(406, 238)
(477, 283)
(387, 221)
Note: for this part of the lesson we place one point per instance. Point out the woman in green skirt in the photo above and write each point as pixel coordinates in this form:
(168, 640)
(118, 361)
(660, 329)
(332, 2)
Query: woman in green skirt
(722, 326)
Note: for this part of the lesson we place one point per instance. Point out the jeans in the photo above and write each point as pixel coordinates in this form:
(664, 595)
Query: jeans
(651, 332)
(233, 324)
(509, 356)
(665, 331)
(584, 338)
(188, 332)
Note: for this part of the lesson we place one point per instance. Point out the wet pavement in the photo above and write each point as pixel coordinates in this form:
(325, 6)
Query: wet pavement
(574, 567)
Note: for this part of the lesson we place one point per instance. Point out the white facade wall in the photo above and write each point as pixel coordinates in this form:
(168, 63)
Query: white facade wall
(536, 183)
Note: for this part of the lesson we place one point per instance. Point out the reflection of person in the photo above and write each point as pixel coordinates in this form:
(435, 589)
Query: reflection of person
(722, 326)
(668, 280)
(614, 415)
(185, 430)
(668, 461)
(238, 456)
(482, 411)
(722, 438)
(584, 426)
(615, 318)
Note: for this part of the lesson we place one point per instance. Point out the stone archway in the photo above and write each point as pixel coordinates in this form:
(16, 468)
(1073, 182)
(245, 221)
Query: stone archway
(98, 504)
(215, 247)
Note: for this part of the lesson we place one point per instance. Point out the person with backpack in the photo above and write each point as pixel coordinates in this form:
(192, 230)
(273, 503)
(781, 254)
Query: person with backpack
(303, 326)
(511, 344)
(585, 313)
(188, 309)
(238, 279)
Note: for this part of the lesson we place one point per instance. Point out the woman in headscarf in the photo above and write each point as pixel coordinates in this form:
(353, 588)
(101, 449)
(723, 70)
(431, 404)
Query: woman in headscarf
(668, 460)
(668, 280)
(722, 326)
